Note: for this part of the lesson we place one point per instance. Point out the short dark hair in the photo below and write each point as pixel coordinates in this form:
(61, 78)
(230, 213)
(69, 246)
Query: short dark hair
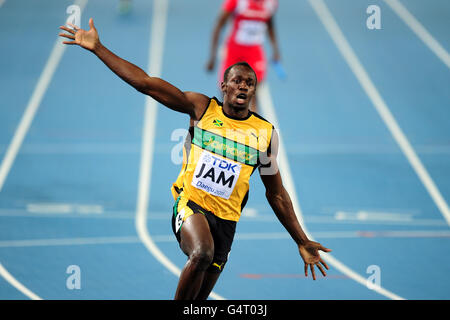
(238, 64)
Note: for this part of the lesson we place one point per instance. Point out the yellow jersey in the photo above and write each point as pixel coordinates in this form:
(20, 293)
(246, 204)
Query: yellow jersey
(219, 156)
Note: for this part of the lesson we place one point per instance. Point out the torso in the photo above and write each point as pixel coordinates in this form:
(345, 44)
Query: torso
(220, 156)
(250, 19)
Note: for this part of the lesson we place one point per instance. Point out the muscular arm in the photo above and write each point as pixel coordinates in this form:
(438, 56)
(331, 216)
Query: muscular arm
(281, 204)
(190, 103)
(276, 194)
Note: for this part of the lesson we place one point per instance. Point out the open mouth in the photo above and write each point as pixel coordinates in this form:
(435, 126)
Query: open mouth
(241, 98)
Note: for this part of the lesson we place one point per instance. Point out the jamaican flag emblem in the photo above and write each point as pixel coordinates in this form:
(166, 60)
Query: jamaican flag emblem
(217, 123)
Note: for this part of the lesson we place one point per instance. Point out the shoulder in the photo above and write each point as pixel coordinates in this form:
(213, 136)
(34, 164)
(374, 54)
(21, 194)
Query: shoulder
(200, 102)
(263, 122)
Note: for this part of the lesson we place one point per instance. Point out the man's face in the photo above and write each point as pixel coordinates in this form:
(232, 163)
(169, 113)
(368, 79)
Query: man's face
(239, 88)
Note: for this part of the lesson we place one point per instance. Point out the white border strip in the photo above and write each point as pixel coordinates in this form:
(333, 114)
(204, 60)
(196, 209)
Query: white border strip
(16, 284)
(265, 100)
(159, 21)
(420, 31)
(379, 104)
(22, 129)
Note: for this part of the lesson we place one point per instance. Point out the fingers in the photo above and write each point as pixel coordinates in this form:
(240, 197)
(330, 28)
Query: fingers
(324, 249)
(66, 35)
(311, 266)
(70, 35)
(321, 269)
(67, 29)
(73, 26)
(324, 264)
(91, 23)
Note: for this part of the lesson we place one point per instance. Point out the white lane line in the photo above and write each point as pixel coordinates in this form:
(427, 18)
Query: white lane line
(269, 112)
(158, 28)
(366, 83)
(68, 241)
(266, 218)
(420, 31)
(33, 104)
(16, 284)
(252, 236)
(30, 111)
(349, 234)
(23, 127)
(166, 148)
(415, 222)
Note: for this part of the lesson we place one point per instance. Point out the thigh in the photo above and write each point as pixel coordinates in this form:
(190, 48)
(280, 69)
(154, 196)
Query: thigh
(196, 235)
(223, 234)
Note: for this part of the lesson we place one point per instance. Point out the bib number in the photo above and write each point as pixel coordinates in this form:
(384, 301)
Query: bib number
(216, 175)
(250, 32)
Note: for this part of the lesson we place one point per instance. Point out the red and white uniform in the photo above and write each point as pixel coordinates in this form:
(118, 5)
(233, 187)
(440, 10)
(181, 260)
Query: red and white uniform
(246, 40)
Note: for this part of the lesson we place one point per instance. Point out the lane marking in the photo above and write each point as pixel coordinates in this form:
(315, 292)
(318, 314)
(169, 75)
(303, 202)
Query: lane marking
(366, 83)
(23, 127)
(253, 236)
(268, 109)
(30, 111)
(316, 149)
(158, 29)
(346, 218)
(420, 31)
(68, 241)
(364, 215)
(16, 284)
(350, 234)
(258, 276)
(79, 148)
(64, 208)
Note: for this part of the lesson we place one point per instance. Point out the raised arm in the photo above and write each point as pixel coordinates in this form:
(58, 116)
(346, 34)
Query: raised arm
(162, 91)
(281, 204)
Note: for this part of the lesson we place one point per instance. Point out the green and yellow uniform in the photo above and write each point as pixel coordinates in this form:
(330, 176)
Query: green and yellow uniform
(219, 156)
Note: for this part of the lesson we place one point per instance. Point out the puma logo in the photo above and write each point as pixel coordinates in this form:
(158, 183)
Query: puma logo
(253, 134)
(217, 265)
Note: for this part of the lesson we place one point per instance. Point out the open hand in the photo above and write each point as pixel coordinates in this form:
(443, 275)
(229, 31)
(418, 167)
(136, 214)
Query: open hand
(86, 39)
(310, 255)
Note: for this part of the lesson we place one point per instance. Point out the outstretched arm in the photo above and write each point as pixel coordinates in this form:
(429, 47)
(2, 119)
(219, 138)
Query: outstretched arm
(281, 204)
(162, 91)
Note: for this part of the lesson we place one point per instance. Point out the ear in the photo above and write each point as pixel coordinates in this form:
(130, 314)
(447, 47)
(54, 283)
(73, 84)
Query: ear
(223, 86)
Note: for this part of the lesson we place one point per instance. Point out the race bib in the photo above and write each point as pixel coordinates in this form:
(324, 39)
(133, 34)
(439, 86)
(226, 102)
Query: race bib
(250, 32)
(216, 175)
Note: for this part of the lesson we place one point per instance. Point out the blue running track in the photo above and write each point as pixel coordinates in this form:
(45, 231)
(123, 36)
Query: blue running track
(70, 194)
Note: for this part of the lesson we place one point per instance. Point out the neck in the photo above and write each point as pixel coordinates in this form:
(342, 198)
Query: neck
(238, 112)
